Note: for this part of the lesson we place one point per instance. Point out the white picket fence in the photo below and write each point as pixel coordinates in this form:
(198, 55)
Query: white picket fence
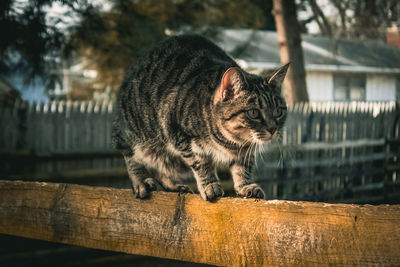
(77, 126)
(57, 127)
(340, 121)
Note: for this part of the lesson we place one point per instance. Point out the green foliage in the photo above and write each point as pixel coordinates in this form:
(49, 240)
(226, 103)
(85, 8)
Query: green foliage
(224, 13)
(110, 41)
(353, 18)
(31, 43)
(24, 30)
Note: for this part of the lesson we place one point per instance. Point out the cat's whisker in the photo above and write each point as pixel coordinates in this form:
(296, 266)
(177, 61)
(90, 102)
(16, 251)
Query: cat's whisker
(248, 152)
(290, 151)
(261, 152)
(257, 152)
(245, 155)
(242, 146)
(251, 154)
(280, 162)
(277, 144)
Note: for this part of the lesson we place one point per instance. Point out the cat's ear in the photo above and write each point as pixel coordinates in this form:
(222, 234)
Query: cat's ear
(231, 83)
(276, 78)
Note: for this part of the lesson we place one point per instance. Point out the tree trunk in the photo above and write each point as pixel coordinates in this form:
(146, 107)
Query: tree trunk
(290, 50)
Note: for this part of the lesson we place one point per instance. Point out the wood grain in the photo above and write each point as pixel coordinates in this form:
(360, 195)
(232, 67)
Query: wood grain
(230, 232)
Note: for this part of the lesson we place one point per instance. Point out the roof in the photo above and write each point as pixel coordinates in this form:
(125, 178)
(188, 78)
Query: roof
(259, 49)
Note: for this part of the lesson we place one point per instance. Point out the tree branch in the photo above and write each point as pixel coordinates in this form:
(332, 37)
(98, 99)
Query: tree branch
(324, 25)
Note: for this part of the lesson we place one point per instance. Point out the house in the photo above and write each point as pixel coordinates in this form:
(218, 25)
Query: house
(336, 70)
(78, 83)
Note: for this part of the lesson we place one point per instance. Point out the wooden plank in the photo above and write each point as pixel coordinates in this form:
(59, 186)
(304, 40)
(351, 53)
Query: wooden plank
(231, 232)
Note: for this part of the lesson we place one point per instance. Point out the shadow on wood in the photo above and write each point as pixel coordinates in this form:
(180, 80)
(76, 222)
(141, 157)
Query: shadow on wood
(231, 232)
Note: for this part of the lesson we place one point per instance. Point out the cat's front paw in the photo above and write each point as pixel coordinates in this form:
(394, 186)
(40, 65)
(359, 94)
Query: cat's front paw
(251, 191)
(142, 190)
(150, 184)
(212, 192)
(181, 188)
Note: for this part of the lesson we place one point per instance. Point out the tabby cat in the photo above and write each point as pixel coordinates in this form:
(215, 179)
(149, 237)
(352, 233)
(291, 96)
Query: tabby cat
(185, 107)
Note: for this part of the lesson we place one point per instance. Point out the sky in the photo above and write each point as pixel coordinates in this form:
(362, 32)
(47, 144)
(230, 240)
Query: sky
(312, 27)
(33, 92)
(57, 10)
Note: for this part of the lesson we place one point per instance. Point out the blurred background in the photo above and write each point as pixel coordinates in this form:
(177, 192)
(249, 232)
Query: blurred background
(62, 61)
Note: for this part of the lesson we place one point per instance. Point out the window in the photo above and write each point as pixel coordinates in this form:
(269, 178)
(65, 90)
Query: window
(348, 87)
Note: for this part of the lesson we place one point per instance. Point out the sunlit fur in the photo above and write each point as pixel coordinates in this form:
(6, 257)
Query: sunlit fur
(173, 119)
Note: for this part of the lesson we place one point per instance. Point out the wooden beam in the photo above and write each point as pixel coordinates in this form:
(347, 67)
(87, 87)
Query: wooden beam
(230, 232)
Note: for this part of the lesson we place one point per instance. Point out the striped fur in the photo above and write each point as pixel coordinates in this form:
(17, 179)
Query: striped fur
(185, 107)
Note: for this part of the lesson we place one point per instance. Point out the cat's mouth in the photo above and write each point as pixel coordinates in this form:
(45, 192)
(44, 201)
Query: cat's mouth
(263, 138)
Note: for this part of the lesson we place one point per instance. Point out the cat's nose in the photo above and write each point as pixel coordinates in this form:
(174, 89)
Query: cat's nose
(272, 130)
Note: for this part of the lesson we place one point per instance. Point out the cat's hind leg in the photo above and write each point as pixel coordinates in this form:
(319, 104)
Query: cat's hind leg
(170, 185)
(142, 183)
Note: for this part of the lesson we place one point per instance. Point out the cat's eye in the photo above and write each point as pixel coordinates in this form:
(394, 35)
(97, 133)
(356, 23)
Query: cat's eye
(279, 112)
(253, 113)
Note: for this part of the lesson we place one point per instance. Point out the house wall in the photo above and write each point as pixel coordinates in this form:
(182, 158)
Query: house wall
(319, 86)
(380, 87)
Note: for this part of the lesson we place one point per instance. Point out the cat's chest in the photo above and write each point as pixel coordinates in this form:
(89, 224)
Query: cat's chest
(160, 157)
(168, 159)
(218, 153)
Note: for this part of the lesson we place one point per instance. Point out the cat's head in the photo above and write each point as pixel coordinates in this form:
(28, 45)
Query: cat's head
(250, 108)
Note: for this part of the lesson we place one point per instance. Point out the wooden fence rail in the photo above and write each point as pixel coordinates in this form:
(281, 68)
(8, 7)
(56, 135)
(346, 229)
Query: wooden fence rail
(230, 232)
